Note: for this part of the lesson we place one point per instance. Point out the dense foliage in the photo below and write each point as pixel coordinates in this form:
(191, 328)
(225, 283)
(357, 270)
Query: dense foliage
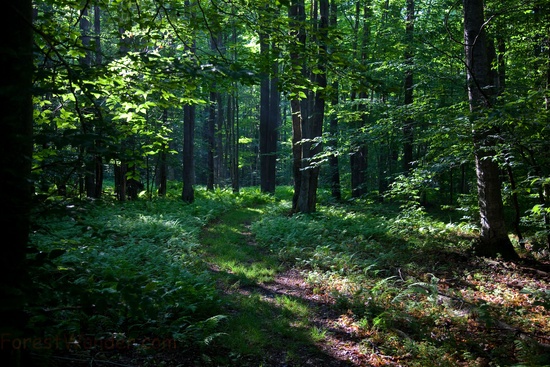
(112, 78)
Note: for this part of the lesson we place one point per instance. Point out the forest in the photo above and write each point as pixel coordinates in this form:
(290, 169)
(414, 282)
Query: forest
(275, 183)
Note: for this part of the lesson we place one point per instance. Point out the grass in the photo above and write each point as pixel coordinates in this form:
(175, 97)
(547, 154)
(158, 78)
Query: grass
(230, 250)
(259, 322)
(401, 287)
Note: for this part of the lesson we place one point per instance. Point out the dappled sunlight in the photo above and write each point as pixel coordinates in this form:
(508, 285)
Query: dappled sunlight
(407, 294)
(343, 287)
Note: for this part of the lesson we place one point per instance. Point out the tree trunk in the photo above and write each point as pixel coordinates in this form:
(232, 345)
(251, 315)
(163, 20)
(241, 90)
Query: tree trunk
(16, 68)
(87, 126)
(336, 190)
(408, 132)
(233, 121)
(296, 150)
(296, 13)
(210, 141)
(274, 119)
(360, 153)
(188, 192)
(219, 151)
(358, 163)
(162, 165)
(269, 115)
(494, 240)
(99, 170)
(312, 128)
(335, 186)
(233, 117)
(120, 181)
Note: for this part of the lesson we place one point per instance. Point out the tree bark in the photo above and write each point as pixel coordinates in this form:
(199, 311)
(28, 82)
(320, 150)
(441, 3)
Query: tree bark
(360, 153)
(162, 165)
(16, 68)
(312, 128)
(269, 115)
(188, 193)
(408, 132)
(494, 240)
(336, 189)
(233, 121)
(210, 141)
(274, 120)
(296, 14)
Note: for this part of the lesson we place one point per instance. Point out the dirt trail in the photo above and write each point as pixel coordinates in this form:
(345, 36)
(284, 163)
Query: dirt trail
(341, 346)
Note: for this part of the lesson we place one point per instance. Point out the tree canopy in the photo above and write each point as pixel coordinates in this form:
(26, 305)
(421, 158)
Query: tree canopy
(113, 80)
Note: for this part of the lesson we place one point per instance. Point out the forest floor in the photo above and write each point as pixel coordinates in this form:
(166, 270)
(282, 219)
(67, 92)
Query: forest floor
(236, 281)
(340, 338)
(289, 284)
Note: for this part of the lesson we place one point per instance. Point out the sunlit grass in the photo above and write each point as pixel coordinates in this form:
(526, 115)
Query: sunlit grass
(260, 325)
(318, 334)
(229, 249)
(171, 267)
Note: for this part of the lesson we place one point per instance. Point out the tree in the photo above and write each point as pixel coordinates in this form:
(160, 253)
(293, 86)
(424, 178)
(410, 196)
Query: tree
(16, 68)
(408, 132)
(336, 189)
(297, 17)
(188, 193)
(312, 126)
(162, 165)
(268, 127)
(93, 175)
(360, 148)
(494, 238)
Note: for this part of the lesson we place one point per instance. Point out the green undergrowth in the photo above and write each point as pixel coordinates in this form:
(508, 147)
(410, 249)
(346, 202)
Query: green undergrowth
(158, 282)
(409, 288)
(231, 252)
(125, 276)
(262, 329)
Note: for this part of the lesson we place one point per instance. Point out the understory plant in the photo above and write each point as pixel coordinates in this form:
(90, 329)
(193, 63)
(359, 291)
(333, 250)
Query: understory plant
(406, 286)
(131, 272)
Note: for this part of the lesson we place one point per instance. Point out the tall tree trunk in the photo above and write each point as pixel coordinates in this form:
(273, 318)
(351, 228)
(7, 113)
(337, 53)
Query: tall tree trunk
(542, 51)
(188, 192)
(360, 148)
(162, 165)
(336, 190)
(233, 117)
(408, 132)
(296, 14)
(500, 87)
(335, 185)
(233, 121)
(274, 120)
(494, 238)
(210, 141)
(121, 168)
(97, 34)
(264, 118)
(87, 126)
(269, 115)
(16, 69)
(98, 159)
(219, 152)
(312, 128)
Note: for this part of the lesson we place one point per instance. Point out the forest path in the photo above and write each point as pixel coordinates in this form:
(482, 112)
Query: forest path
(277, 318)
